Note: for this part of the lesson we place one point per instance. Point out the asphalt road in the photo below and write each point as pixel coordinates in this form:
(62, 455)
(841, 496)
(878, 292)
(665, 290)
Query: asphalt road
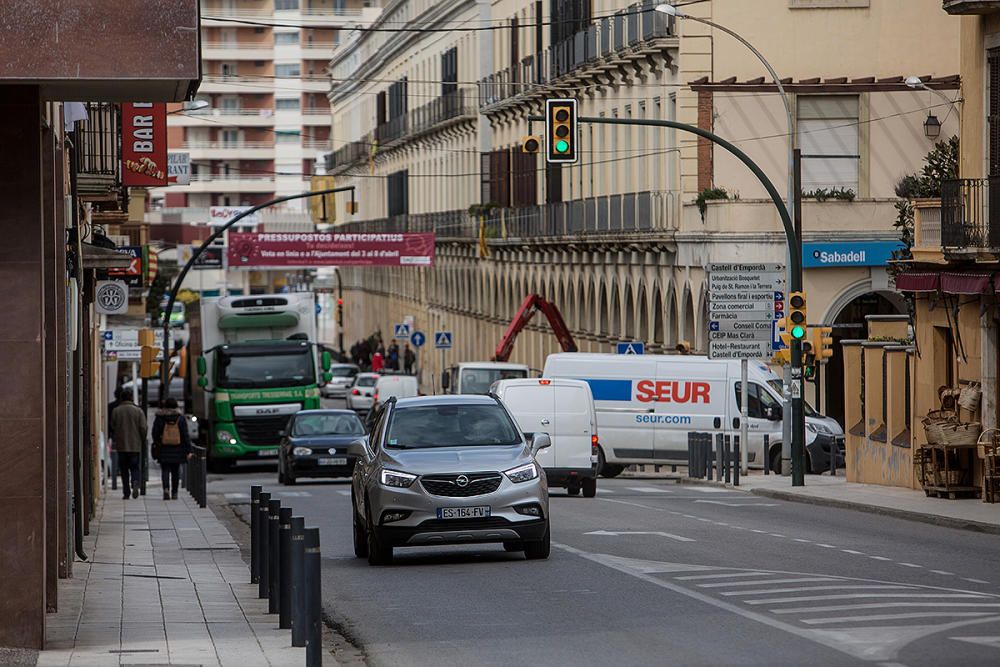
(652, 572)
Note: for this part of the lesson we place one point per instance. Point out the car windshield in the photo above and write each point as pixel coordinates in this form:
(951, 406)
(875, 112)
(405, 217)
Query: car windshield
(450, 426)
(777, 386)
(366, 381)
(343, 371)
(265, 370)
(327, 424)
(479, 380)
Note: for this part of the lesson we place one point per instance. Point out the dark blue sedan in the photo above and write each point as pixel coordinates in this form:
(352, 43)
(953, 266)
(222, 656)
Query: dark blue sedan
(314, 444)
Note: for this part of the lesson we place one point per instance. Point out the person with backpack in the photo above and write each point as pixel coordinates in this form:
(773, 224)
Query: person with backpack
(171, 445)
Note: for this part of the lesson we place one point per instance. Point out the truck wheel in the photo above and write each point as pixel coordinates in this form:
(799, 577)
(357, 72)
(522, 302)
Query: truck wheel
(573, 490)
(589, 487)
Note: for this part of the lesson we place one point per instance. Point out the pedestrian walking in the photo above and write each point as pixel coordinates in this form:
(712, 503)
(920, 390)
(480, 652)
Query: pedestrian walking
(128, 437)
(171, 445)
(394, 357)
(409, 359)
(377, 363)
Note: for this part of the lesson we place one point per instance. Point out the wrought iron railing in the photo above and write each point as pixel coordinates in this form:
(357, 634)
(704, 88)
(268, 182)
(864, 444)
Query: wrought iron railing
(970, 213)
(98, 140)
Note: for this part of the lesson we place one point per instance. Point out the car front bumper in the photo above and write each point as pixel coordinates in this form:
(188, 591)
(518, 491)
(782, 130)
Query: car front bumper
(820, 448)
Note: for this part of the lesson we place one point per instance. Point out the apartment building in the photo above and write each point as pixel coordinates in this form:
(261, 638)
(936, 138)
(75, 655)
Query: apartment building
(267, 118)
(620, 241)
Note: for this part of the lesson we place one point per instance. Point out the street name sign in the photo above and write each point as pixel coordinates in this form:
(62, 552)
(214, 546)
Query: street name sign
(731, 349)
(744, 301)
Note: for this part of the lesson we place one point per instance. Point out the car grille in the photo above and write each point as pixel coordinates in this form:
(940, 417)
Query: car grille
(446, 485)
(465, 524)
(262, 430)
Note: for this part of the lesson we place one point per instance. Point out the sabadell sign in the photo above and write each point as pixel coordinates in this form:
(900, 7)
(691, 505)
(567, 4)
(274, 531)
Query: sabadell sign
(848, 253)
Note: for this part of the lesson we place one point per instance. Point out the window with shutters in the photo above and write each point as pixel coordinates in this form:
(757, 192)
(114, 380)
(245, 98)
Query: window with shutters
(523, 178)
(449, 71)
(397, 99)
(993, 111)
(398, 193)
(829, 139)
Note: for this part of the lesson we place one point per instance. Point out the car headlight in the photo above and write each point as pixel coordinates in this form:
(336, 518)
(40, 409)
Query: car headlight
(525, 473)
(818, 427)
(397, 478)
(302, 451)
(223, 436)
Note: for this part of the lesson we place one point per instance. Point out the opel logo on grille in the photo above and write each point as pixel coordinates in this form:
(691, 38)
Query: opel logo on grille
(461, 481)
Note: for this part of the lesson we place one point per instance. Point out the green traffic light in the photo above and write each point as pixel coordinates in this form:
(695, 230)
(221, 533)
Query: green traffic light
(798, 332)
(562, 146)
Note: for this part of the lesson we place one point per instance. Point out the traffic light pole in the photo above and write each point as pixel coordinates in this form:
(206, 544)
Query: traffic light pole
(794, 269)
(165, 366)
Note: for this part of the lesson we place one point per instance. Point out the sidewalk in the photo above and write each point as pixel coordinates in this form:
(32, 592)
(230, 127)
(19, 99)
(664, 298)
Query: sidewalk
(165, 585)
(971, 514)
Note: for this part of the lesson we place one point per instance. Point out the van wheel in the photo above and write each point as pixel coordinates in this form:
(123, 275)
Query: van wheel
(572, 490)
(776, 459)
(589, 487)
(605, 469)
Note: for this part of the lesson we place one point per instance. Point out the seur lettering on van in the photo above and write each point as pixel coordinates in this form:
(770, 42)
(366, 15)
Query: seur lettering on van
(671, 391)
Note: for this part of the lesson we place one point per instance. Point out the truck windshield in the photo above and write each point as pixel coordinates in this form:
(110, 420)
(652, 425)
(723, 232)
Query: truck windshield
(479, 380)
(265, 370)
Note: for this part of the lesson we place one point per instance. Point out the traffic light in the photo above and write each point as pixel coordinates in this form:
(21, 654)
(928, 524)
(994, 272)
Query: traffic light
(340, 311)
(823, 343)
(796, 318)
(560, 131)
(148, 366)
(531, 144)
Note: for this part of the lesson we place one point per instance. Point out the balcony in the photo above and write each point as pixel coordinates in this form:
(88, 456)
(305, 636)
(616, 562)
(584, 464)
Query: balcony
(98, 153)
(349, 154)
(241, 183)
(226, 117)
(969, 208)
(631, 34)
(318, 50)
(596, 219)
(316, 116)
(230, 150)
(971, 6)
(233, 85)
(236, 51)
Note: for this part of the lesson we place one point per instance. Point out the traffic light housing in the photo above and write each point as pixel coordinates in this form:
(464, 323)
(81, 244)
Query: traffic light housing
(531, 144)
(561, 131)
(823, 343)
(796, 317)
(148, 366)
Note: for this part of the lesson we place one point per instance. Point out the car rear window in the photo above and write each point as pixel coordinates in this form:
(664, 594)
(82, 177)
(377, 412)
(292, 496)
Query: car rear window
(327, 424)
(450, 426)
(366, 382)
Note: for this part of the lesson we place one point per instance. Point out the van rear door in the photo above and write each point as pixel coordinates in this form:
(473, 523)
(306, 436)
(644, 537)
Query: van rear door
(573, 427)
(533, 406)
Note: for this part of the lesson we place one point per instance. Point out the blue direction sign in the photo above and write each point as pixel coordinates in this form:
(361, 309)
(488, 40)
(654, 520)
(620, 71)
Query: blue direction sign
(319, 309)
(401, 332)
(418, 338)
(442, 340)
(633, 347)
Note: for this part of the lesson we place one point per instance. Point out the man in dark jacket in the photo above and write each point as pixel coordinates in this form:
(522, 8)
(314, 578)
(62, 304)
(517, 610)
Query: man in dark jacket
(128, 436)
(171, 445)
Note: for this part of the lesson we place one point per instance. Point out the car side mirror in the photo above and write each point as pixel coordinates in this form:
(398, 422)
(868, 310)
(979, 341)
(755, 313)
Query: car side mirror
(774, 414)
(539, 442)
(359, 448)
(445, 380)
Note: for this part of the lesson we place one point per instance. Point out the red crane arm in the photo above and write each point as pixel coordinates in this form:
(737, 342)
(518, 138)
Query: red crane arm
(532, 303)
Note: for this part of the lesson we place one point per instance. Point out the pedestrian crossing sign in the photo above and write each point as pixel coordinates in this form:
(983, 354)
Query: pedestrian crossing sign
(442, 340)
(633, 347)
(402, 332)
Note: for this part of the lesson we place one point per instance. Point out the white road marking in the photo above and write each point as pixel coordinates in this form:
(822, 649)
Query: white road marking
(984, 641)
(604, 491)
(851, 596)
(710, 489)
(825, 546)
(722, 502)
(897, 617)
(879, 558)
(797, 580)
(608, 533)
(975, 581)
(293, 494)
(726, 575)
(807, 589)
(648, 489)
(852, 551)
(344, 492)
(909, 565)
(880, 605)
(944, 572)
(237, 496)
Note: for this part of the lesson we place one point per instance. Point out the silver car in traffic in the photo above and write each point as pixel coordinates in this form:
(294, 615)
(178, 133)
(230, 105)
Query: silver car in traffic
(448, 470)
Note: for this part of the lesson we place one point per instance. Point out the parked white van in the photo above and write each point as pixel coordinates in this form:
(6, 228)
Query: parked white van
(388, 386)
(647, 405)
(564, 409)
(476, 377)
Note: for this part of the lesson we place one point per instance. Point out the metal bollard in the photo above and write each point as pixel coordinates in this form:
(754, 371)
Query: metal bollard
(296, 572)
(728, 460)
(834, 451)
(263, 566)
(767, 454)
(284, 563)
(273, 557)
(720, 465)
(254, 537)
(314, 600)
(736, 460)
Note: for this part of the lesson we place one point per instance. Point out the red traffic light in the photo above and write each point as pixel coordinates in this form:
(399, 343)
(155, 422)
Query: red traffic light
(340, 302)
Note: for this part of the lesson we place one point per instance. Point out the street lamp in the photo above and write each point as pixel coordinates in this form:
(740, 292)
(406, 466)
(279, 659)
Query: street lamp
(787, 435)
(932, 126)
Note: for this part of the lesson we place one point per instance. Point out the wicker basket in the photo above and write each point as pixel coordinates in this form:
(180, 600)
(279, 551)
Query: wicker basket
(961, 434)
(970, 396)
(934, 424)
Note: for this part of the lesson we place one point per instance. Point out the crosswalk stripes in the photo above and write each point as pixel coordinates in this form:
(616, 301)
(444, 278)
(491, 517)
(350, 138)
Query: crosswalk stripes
(648, 489)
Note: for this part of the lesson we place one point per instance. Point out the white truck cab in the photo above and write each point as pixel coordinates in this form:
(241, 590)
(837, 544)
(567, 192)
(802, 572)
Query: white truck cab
(476, 377)
(648, 404)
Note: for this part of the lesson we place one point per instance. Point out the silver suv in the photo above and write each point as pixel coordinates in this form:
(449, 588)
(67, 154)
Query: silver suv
(448, 470)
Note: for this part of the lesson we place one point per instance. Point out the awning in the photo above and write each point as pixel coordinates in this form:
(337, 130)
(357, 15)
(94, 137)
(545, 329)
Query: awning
(965, 283)
(918, 282)
(96, 257)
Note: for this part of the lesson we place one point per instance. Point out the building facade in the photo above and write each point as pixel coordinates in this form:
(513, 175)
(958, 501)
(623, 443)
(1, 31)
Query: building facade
(620, 241)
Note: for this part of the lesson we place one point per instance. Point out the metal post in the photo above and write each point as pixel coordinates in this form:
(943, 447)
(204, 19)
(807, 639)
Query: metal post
(720, 457)
(737, 459)
(296, 571)
(144, 451)
(798, 414)
(767, 454)
(254, 536)
(313, 599)
(263, 574)
(728, 458)
(744, 390)
(273, 557)
(284, 566)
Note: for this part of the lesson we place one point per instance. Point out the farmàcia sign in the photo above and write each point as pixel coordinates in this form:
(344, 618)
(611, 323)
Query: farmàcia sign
(310, 249)
(144, 144)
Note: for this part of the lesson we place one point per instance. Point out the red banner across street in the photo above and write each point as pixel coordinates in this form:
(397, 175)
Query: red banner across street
(144, 144)
(308, 249)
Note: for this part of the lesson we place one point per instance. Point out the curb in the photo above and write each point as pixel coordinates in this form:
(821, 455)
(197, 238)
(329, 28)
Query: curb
(908, 515)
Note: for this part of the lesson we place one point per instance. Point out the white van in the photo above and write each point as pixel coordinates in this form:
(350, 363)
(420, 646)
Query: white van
(389, 386)
(565, 410)
(476, 377)
(647, 405)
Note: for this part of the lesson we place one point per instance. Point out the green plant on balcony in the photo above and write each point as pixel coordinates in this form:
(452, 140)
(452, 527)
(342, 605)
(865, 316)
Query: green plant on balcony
(707, 195)
(940, 164)
(823, 194)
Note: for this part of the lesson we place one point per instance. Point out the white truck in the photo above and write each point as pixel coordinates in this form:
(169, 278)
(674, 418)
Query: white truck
(257, 364)
(476, 377)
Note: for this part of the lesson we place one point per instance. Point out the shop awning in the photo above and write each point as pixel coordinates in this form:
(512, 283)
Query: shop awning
(918, 282)
(965, 283)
